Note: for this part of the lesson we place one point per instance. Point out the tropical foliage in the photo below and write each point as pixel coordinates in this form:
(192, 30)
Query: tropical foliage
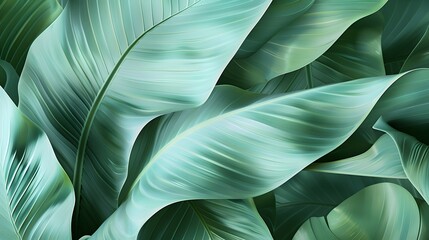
(214, 119)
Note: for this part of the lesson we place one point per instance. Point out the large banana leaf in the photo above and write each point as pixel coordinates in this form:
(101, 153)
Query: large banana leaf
(356, 54)
(414, 157)
(311, 194)
(207, 219)
(117, 65)
(36, 196)
(9, 80)
(299, 42)
(381, 211)
(21, 21)
(219, 150)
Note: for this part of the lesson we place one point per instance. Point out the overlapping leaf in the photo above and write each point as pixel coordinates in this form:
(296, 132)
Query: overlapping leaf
(112, 70)
(207, 219)
(9, 80)
(297, 43)
(36, 196)
(381, 211)
(21, 22)
(219, 150)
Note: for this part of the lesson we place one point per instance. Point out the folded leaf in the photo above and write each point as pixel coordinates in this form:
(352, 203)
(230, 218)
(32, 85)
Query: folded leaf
(381, 160)
(207, 219)
(219, 150)
(301, 41)
(414, 157)
(20, 23)
(381, 211)
(117, 65)
(36, 196)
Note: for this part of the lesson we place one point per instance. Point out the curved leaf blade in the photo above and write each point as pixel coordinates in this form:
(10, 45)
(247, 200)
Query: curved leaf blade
(207, 219)
(414, 157)
(21, 22)
(380, 211)
(218, 151)
(36, 196)
(106, 89)
(381, 160)
(9, 80)
(292, 48)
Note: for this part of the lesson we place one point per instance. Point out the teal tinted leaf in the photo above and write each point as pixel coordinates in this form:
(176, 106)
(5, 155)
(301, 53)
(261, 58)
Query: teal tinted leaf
(219, 150)
(266, 205)
(414, 156)
(301, 42)
(313, 194)
(419, 57)
(381, 211)
(405, 24)
(9, 80)
(314, 229)
(356, 54)
(381, 160)
(424, 220)
(36, 196)
(20, 23)
(404, 105)
(207, 219)
(115, 70)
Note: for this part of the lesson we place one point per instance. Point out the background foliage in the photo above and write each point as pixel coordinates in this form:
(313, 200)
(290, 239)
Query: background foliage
(213, 119)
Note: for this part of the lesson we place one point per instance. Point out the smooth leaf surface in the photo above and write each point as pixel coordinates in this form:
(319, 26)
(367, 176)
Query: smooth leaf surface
(381, 160)
(207, 219)
(424, 220)
(115, 70)
(36, 196)
(314, 194)
(414, 156)
(301, 42)
(356, 54)
(21, 21)
(405, 24)
(381, 211)
(218, 151)
(9, 80)
(419, 57)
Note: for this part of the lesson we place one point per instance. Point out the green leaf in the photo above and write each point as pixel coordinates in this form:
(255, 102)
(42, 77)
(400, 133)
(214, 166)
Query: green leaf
(20, 23)
(314, 194)
(36, 196)
(404, 105)
(405, 24)
(207, 219)
(414, 157)
(9, 80)
(113, 71)
(266, 205)
(300, 42)
(381, 211)
(356, 54)
(419, 57)
(381, 160)
(219, 150)
(424, 220)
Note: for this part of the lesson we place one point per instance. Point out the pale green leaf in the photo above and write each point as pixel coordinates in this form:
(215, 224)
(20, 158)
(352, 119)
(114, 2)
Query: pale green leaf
(36, 196)
(300, 42)
(207, 219)
(381, 160)
(381, 211)
(21, 22)
(114, 66)
(414, 157)
(239, 145)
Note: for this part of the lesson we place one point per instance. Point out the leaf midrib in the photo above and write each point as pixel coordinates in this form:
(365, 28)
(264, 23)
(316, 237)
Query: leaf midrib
(78, 170)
